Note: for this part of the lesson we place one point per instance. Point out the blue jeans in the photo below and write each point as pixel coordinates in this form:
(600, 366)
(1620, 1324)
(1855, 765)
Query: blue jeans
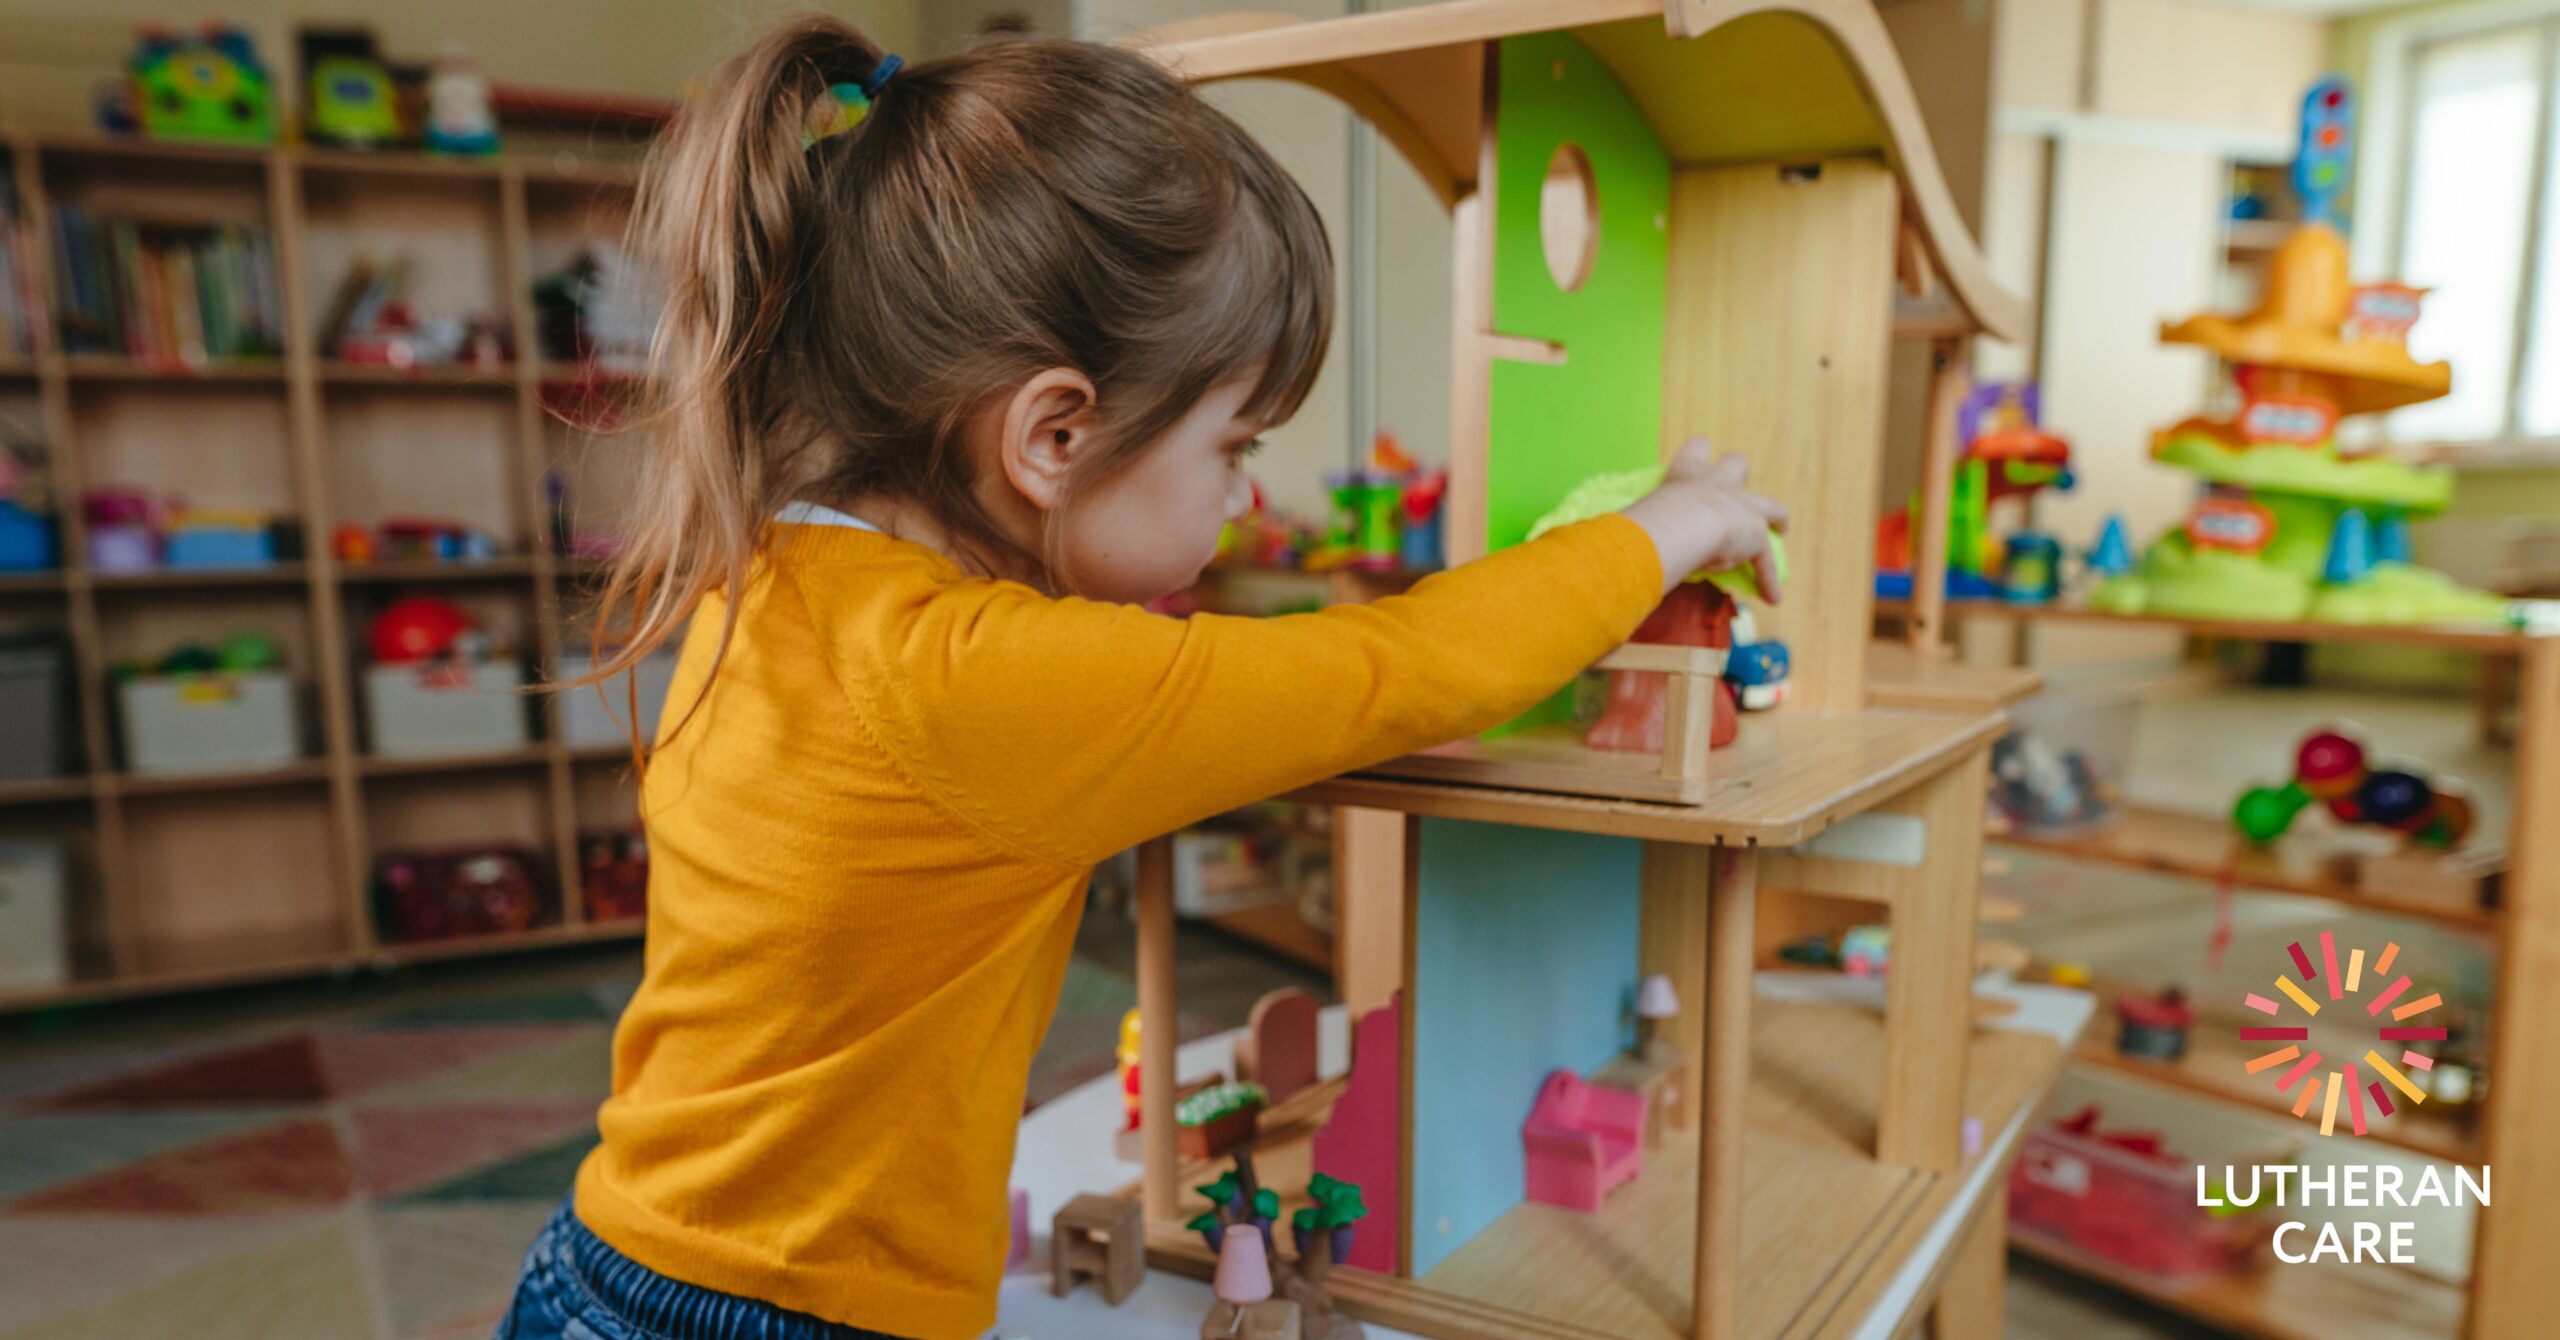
(576, 1288)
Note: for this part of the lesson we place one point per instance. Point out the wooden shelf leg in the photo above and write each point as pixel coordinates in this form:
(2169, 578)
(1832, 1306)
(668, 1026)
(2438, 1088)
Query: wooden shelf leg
(1948, 386)
(1929, 988)
(1159, 1025)
(2514, 1291)
(1968, 1303)
(1732, 897)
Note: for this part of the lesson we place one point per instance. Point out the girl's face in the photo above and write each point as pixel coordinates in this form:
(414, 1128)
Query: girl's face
(1150, 529)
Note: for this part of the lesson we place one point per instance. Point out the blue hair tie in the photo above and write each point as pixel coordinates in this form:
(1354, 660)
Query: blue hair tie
(878, 79)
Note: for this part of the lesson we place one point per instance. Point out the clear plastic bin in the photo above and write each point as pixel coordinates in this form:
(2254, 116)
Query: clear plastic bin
(2060, 768)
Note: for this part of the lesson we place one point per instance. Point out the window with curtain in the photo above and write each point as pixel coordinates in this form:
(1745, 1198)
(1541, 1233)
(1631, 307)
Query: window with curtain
(2478, 226)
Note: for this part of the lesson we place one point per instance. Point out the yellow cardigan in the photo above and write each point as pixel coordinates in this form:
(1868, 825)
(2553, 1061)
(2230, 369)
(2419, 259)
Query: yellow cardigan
(868, 854)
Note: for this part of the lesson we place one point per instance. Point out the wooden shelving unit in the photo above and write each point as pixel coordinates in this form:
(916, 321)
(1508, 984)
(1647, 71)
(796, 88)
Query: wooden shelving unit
(185, 882)
(2202, 847)
(2508, 1280)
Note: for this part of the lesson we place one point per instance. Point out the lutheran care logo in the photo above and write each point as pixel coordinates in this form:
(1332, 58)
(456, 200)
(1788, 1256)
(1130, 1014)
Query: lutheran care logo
(2360, 1079)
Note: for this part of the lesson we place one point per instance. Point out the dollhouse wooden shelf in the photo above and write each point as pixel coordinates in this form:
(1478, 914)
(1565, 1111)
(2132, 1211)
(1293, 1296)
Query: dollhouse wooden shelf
(1790, 775)
(2203, 847)
(2492, 638)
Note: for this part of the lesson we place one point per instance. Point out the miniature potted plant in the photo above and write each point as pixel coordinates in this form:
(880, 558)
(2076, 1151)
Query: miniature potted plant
(1218, 1118)
(1324, 1231)
(1236, 1202)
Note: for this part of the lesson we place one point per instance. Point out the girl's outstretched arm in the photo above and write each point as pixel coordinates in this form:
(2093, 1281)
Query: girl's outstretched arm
(1077, 728)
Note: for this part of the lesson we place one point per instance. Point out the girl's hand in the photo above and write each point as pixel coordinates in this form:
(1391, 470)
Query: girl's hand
(1701, 518)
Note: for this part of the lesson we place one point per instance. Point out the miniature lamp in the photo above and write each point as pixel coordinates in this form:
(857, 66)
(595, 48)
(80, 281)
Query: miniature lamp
(1655, 1002)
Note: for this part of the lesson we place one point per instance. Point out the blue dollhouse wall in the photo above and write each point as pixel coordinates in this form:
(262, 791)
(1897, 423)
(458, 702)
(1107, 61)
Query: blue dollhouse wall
(1524, 961)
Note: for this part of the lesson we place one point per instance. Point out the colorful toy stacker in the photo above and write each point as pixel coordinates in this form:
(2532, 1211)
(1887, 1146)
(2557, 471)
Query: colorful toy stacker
(1642, 195)
(2290, 526)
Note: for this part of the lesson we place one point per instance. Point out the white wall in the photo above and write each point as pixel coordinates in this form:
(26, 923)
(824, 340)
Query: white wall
(1310, 133)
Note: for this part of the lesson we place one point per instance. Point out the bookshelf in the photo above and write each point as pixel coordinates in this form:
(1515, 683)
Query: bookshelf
(186, 882)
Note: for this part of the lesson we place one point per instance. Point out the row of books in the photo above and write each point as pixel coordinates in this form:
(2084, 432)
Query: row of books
(187, 293)
(18, 304)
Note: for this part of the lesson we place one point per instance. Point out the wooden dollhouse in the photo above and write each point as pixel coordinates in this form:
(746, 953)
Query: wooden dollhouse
(1759, 208)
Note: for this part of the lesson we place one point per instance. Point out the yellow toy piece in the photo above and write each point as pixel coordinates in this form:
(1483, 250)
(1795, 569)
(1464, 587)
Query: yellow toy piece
(2300, 325)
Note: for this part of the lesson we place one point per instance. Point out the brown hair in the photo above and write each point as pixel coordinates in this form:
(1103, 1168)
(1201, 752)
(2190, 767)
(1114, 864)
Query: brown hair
(837, 311)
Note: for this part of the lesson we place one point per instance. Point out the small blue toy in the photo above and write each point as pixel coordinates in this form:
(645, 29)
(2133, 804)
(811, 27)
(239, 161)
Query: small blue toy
(2350, 549)
(2031, 569)
(1758, 673)
(2113, 556)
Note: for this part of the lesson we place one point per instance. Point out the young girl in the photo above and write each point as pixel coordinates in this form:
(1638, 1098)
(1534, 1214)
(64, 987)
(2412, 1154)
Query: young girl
(943, 397)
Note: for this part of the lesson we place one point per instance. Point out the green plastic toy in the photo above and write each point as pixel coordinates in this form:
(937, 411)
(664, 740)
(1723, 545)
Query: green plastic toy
(207, 87)
(1605, 493)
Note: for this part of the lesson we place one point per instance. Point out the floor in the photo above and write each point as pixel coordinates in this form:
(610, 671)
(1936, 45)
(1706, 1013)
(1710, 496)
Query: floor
(366, 1160)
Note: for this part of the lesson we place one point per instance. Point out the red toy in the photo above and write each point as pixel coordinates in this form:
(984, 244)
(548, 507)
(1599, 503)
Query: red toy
(613, 873)
(2118, 1195)
(417, 628)
(438, 895)
(1697, 614)
(1581, 1140)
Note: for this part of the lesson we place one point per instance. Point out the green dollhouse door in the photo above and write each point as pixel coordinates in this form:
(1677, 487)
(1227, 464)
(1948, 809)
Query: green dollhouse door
(1581, 256)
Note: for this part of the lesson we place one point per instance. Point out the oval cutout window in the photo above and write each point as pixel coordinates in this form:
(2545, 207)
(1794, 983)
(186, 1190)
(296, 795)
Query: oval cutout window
(1569, 217)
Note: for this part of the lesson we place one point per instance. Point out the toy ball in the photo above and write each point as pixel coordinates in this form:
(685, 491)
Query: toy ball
(250, 649)
(417, 628)
(2395, 799)
(2346, 809)
(2451, 820)
(2330, 763)
(2265, 812)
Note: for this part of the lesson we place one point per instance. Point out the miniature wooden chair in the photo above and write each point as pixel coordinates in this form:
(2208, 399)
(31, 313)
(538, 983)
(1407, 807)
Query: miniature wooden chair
(1098, 1237)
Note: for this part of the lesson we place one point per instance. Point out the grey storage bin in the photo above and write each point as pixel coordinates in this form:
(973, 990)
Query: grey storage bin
(218, 722)
(586, 720)
(437, 709)
(35, 918)
(35, 709)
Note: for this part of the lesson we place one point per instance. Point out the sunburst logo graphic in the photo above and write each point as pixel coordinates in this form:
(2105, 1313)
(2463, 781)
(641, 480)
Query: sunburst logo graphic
(2349, 1080)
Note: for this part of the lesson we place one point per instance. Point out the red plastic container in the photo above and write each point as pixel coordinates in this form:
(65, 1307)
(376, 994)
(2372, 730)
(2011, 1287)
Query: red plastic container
(2118, 1196)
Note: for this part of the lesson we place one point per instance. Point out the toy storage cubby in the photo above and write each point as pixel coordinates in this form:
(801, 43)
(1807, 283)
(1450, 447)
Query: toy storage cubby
(189, 879)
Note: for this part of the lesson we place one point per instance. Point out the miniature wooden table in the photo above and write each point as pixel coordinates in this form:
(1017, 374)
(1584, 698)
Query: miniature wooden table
(1661, 1074)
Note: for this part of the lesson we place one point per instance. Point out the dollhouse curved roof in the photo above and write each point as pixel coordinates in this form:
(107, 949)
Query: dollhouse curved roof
(1720, 81)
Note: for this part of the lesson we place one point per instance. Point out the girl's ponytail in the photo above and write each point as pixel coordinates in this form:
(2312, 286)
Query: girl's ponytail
(721, 207)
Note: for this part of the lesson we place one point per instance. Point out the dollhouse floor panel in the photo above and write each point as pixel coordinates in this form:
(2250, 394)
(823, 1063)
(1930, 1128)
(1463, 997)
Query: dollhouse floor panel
(1828, 1226)
(1792, 773)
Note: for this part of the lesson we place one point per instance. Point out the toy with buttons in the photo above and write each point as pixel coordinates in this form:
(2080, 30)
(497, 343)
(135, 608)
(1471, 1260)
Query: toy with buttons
(2331, 768)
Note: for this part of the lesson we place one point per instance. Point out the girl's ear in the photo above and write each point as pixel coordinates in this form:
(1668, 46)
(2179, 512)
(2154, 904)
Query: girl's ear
(1046, 427)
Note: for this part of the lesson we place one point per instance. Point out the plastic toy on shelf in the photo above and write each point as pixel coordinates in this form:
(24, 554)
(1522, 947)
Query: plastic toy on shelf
(351, 101)
(131, 531)
(2006, 455)
(1386, 515)
(2330, 767)
(439, 895)
(2123, 1196)
(26, 525)
(207, 86)
(459, 121)
(2290, 526)
(2154, 1028)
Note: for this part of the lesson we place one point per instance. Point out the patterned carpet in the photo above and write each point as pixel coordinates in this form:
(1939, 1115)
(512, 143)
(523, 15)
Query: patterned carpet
(368, 1162)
